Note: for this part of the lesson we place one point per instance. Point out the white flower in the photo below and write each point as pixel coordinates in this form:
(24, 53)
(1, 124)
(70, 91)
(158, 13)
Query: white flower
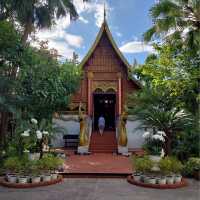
(3, 152)
(26, 151)
(158, 137)
(146, 134)
(180, 114)
(45, 133)
(39, 134)
(25, 134)
(161, 133)
(34, 121)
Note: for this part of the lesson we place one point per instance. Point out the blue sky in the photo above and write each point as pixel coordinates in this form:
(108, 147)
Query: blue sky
(127, 20)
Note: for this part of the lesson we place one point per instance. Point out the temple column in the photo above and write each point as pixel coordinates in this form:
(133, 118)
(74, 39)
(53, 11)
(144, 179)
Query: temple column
(119, 93)
(90, 76)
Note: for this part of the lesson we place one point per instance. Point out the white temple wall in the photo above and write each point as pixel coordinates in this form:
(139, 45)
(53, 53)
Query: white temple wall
(69, 124)
(134, 134)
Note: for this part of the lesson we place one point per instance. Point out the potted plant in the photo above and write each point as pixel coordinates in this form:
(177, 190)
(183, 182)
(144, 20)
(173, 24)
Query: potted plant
(176, 169)
(45, 165)
(152, 180)
(161, 180)
(12, 165)
(192, 168)
(35, 172)
(24, 170)
(165, 170)
(144, 166)
(56, 162)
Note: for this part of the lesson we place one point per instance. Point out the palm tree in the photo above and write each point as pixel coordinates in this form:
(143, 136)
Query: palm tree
(36, 14)
(178, 19)
(158, 111)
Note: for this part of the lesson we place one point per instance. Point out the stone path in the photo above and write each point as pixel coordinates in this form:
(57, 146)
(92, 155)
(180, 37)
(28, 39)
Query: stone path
(100, 189)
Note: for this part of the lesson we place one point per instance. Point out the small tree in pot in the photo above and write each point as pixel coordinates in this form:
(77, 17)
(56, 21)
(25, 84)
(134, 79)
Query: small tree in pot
(12, 165)
(143, 165)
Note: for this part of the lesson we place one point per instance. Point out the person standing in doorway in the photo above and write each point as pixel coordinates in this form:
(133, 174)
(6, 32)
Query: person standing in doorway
(101, 124)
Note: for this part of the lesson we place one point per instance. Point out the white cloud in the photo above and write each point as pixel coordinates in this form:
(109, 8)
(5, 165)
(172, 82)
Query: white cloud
(59, 38)
(95, 6)
(118, 34)
(82, 19)
(73, 40)
(137, 47)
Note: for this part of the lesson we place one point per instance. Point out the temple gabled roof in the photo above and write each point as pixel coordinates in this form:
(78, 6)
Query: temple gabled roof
(105, 29)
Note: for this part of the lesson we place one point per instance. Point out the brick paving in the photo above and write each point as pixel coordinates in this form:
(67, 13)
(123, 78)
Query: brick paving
(98, 163)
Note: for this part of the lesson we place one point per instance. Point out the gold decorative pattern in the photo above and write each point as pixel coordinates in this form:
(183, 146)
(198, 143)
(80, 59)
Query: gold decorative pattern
(104, 86)
(73, 106)
(90, 75)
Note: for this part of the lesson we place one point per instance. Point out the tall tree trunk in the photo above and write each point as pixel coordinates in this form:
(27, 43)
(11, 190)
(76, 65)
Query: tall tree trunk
(3, 127)
(28, 28)
(168, 143)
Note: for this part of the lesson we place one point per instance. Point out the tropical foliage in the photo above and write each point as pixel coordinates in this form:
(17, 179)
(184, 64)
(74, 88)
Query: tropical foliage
(159, 111)
(35, 14)
(170, 96)
(177, 21)
(32, 81)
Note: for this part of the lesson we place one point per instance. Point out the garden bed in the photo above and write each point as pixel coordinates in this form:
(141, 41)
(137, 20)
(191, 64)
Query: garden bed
(5, 183)
(183, 183)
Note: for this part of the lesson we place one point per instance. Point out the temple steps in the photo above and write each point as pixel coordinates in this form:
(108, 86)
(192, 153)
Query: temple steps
(106, 143)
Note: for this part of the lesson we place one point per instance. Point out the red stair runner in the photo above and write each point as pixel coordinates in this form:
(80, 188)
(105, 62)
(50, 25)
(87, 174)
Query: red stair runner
(106, 143)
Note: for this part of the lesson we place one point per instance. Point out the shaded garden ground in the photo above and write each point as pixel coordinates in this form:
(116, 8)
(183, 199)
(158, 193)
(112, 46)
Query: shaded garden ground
(100, 189)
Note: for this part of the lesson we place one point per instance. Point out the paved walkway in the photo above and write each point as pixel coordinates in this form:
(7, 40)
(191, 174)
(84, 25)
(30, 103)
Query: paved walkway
(98, 163)
(100, 189)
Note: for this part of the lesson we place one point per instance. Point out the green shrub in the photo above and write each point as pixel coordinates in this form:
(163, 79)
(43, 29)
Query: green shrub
(34, 168)
(49, 162)
(142, 164)
(191, 165)
(169, 165)
(12, 164)
(176, 165)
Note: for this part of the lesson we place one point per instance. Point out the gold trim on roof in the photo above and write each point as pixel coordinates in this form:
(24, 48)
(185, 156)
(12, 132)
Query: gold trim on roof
(105, 28)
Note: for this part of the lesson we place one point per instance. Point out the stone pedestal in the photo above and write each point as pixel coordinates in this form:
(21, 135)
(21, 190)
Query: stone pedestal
(83, 150)
(123, 150)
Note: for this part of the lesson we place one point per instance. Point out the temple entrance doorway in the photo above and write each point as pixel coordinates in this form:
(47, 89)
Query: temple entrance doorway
(104, 104)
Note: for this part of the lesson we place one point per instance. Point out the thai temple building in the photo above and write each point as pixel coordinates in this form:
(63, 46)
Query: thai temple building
(103, 91)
